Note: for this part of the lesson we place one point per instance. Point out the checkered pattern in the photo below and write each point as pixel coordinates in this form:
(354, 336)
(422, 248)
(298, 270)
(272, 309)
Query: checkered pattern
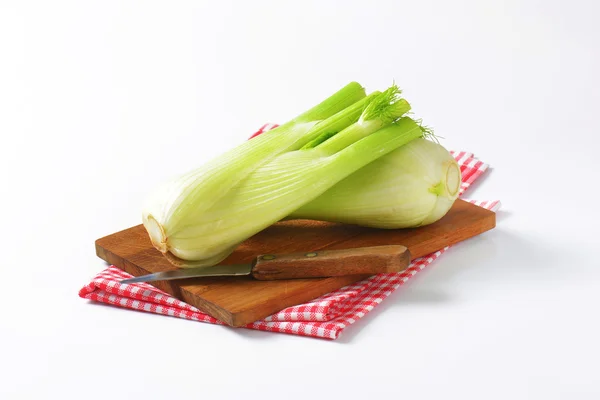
(324, 317)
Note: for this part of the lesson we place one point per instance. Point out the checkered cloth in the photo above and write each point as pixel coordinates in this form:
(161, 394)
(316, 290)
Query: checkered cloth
(324, 317)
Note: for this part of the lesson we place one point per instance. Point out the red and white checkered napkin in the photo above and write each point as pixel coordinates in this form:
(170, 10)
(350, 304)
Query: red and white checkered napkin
(324, 317)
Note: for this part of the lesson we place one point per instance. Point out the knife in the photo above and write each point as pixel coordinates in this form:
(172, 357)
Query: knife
(315, 264)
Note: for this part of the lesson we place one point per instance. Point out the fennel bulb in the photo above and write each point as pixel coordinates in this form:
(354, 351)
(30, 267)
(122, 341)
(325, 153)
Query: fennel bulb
(199, 219)
(412, 186)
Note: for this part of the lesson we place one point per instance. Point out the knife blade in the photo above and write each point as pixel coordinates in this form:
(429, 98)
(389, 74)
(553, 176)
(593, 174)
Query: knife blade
(312, 264)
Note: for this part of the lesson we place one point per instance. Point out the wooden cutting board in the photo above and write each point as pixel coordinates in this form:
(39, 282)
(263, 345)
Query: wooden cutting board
(239, 301)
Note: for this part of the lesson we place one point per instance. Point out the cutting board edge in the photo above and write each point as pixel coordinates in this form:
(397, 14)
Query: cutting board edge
(321, 287)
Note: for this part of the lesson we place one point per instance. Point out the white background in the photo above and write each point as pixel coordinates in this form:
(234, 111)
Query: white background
(101, 100)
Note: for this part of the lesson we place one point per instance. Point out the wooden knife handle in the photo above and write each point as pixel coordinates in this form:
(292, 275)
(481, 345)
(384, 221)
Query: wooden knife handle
(324, 263)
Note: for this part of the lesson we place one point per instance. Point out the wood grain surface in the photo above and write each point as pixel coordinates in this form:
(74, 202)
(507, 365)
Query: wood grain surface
(324, 263)
(239, 301)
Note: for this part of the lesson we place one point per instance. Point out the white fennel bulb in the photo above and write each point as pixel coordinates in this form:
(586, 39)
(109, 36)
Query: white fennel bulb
(412, 186)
